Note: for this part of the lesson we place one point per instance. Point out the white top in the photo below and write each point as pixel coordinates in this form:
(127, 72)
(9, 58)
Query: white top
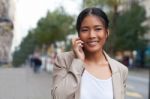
(94, 88)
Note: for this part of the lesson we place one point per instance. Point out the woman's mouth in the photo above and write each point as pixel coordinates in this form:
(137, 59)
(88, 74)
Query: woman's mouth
(92, 43)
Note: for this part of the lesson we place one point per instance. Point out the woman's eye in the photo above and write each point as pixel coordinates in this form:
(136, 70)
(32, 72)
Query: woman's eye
(84, 30)
(98, 29)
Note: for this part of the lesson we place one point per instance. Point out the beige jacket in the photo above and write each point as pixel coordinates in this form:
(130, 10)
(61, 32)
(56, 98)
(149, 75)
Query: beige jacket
(68, 71)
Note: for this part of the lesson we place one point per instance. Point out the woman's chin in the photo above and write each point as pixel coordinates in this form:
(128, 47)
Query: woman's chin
(92, 50)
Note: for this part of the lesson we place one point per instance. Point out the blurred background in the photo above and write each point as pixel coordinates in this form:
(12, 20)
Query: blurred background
(33, 32)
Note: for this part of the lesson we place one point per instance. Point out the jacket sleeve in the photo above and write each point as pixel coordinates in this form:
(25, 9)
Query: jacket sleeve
(66, 80)
(125, 76)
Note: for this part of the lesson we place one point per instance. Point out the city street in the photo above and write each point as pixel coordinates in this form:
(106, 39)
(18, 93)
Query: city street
(137, 87)
(22, 83)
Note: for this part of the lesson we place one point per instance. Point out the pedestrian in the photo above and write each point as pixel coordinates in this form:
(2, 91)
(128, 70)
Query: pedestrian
(37, 64)
(88, 72)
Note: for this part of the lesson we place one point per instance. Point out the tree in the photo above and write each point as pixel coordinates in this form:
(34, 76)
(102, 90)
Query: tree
(129, 32)
(26, 47)
(112, 5)
(54, 27)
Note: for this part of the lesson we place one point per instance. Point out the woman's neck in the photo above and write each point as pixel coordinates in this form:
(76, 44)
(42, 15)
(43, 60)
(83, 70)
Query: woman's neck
(96, 57)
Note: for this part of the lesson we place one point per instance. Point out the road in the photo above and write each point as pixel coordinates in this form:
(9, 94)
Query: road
(22, 83)
(137, 87)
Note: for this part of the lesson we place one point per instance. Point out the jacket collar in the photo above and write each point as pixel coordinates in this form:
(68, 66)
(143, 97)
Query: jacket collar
(111, 63)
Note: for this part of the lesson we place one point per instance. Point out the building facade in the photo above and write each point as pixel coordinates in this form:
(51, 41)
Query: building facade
(6, 29)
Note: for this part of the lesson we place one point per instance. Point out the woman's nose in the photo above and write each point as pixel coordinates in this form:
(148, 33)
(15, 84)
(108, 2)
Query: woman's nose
(92, 34)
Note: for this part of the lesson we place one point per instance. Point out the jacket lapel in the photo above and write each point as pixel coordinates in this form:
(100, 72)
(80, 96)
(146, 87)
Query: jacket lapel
(116, 86)
(116, 80)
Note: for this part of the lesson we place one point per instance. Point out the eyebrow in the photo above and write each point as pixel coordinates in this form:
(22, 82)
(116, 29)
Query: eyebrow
(98, 26)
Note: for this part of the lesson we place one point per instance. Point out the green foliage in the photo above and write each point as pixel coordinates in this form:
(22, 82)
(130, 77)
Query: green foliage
(101, 3)
(26, 47)
(128, 32)
(54, 27)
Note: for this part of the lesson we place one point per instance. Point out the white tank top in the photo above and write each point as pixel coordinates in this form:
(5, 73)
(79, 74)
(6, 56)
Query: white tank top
(94, 88)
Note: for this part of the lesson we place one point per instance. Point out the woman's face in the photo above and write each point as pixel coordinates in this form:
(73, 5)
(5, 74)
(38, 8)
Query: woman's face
(93, 33)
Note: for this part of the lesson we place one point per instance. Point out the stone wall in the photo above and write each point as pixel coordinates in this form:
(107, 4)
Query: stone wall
(6, 31)
(4, 6)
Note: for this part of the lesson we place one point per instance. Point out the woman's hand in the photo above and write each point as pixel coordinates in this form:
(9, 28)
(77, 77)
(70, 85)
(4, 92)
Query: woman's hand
(77, 45)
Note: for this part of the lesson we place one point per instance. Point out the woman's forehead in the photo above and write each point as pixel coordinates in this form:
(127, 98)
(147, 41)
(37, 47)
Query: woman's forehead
(92, 20)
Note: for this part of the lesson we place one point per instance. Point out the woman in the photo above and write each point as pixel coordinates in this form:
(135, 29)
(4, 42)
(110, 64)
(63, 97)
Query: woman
(88, 72)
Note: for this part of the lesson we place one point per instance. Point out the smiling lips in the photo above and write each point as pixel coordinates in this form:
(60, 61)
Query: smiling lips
(92, 43)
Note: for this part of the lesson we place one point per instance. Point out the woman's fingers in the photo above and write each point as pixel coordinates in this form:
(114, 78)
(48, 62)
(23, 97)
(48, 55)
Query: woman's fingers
(77, 45)
(77, 42)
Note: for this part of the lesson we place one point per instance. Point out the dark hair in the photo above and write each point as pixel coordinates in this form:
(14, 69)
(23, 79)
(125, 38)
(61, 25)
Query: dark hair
(91, 11)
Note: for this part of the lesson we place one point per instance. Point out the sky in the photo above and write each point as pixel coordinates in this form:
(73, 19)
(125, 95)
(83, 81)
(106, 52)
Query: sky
(28, 12)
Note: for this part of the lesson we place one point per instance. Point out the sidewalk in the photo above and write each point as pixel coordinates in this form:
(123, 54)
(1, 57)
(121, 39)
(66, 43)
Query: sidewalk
(22, 83)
